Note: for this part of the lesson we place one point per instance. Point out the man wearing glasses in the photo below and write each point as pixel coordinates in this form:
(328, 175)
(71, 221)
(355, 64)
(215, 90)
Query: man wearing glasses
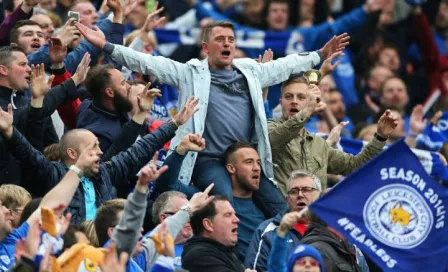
(14, 198)
(302, 189)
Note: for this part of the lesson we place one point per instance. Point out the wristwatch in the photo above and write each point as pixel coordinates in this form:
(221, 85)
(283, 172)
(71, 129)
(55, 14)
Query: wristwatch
(187, 208)
(379, 138)
(76, 169)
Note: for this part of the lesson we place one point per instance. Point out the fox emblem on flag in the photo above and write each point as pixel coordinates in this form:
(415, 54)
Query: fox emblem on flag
(393, 211)
(398, 216)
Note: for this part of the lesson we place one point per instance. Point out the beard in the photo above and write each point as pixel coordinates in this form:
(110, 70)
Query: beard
(122, 103)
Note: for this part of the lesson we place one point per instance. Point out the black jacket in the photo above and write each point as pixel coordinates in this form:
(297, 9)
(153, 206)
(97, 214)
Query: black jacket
(337, 254)
(112, 173)
(35, 124)
(203, 254)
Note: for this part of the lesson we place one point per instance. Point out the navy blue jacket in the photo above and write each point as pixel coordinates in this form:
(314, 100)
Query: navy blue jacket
(112, 173)
(114, 34)
(35, 124)
(105, 124)
(262, 241)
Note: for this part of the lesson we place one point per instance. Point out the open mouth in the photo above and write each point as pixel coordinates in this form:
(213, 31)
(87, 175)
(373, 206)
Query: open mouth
(226, 53)
(35, 45)
(301, 204)
(256, 176)
(235, 231)
(293, 111)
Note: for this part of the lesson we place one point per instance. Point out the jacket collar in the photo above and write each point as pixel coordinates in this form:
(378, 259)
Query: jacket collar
(203, 240)
(100, 109)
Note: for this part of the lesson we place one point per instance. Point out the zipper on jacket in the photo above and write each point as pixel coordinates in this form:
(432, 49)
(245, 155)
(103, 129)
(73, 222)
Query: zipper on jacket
(303, 151)
(13, 94)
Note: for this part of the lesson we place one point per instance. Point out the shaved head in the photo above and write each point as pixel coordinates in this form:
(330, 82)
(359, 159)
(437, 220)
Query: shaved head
(72, 139)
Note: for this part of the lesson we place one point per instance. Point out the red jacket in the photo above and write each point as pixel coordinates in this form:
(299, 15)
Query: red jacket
(435, 64)
(69, 111)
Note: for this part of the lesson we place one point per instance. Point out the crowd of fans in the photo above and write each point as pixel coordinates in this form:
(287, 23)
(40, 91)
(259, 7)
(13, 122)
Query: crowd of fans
(189, 135)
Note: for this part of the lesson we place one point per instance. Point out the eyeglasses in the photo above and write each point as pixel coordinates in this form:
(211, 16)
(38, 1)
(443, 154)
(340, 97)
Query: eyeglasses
(304, 190)
(303, 262)
(16, 211)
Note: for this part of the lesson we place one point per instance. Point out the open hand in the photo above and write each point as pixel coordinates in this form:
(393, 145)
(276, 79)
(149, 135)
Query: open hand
(95, 36)
(335, 134)
(39, 86)
(268, 55)
(82, 70)
(187, 111)
(335, 44)
(151, 20)
(327, 67)
(131, 6)
(417, 122)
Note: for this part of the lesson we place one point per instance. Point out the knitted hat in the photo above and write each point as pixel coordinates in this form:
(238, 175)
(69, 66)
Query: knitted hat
(304, 251)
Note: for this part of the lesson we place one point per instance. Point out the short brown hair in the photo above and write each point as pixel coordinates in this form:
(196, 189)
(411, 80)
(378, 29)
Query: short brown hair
(14, 34)
(98, 79)
(293, 80)
(13, 196)
(208, 28)
(107, 217)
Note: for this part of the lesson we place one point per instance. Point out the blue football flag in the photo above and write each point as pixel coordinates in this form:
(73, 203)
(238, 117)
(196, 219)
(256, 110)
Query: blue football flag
(393, 211)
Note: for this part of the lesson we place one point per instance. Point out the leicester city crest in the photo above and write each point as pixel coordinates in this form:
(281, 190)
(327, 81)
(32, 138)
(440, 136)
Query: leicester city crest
(398, 216)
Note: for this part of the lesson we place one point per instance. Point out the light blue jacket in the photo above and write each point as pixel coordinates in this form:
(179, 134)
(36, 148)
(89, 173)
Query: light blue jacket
(193, 79)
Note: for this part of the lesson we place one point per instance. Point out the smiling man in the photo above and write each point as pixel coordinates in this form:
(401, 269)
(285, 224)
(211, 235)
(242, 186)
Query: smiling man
(230, 91)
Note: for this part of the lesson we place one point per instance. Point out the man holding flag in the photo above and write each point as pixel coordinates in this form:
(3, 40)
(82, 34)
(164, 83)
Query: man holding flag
(393, 211)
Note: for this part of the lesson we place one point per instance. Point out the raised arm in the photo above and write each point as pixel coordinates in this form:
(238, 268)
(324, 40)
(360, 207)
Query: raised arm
(128, 163)
(280, 70)
(65, 189)
(22, 12)
(59, 95)
(23, 151)
(166, 70)
(176, 222)
(281, 133)
(129, 133)
(341, 163)
(127, 233)
(169, 181)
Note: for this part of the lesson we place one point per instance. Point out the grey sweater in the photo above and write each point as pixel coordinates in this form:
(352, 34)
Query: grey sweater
(127, 233)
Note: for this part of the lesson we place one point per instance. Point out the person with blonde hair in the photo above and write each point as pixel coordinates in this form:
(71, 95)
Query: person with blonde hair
(14, 198)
